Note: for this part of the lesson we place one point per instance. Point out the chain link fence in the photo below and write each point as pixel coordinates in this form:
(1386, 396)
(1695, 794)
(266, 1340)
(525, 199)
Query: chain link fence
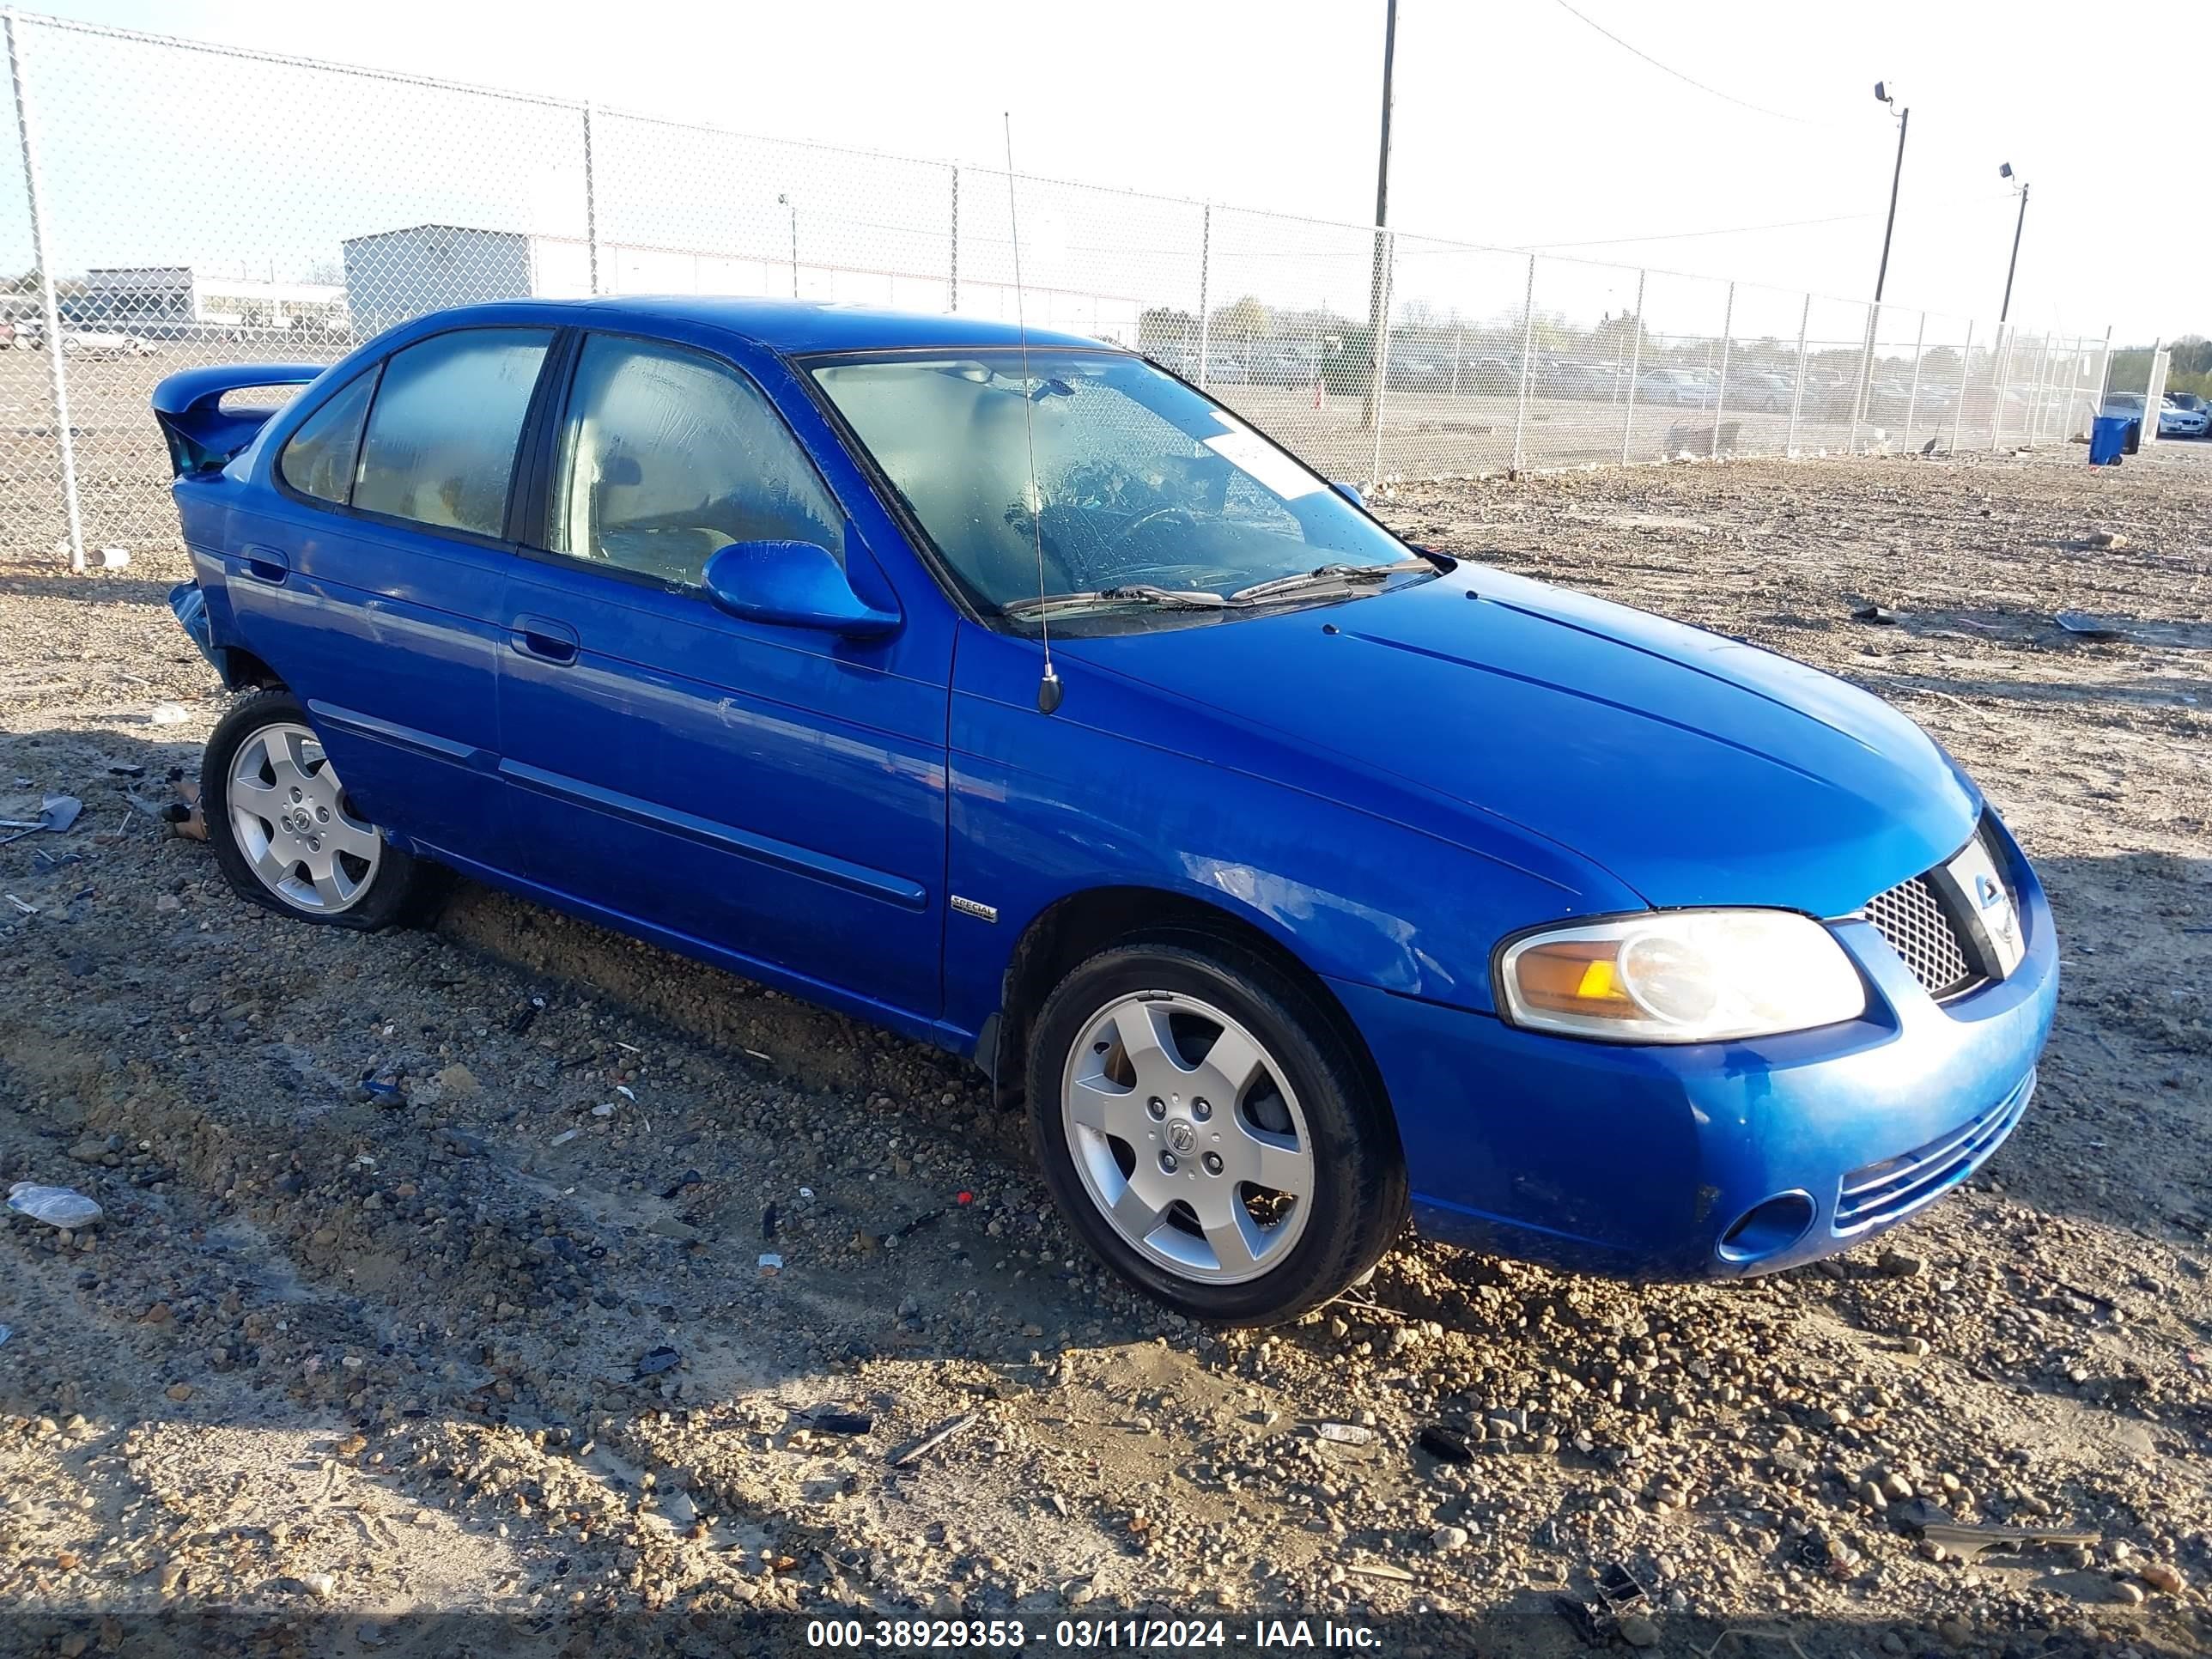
(167, 203)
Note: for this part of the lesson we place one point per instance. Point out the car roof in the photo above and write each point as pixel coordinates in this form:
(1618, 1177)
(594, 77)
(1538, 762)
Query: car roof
(795, 327)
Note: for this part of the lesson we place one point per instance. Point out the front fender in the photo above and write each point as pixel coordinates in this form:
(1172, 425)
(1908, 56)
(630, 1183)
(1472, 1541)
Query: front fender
(1126, 787)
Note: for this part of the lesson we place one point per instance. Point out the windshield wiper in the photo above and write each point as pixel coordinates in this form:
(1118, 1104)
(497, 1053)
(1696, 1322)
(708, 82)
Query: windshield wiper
(1328, 575)
(1169, 599)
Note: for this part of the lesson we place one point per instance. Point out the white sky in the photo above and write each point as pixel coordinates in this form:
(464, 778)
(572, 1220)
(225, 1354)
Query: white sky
(1515, 124)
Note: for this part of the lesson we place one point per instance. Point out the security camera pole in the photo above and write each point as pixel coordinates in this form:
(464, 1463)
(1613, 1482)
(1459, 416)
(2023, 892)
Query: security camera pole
(2019, 223)
(1897, 174)
(1372, 410)
(1881, 273)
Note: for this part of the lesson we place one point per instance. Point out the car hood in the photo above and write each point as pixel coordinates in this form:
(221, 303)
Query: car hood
(1693, 768)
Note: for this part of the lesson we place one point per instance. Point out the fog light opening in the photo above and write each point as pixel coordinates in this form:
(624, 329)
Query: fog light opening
(1767, 1229)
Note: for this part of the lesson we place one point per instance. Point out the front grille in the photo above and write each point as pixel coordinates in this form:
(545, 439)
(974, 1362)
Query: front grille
(1920, 930)
(1882, 1192)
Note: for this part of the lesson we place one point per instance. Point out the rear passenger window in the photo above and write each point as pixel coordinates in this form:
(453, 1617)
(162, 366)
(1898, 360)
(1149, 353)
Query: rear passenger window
(439, 449)
(318, 460)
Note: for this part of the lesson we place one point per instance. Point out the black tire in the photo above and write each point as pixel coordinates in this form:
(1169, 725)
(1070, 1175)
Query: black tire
(398, 891)
(1360, 1188)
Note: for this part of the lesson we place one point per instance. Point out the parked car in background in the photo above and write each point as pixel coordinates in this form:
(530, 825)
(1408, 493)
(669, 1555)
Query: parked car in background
(1759, 389)
(1417, 374)
(1688, 388)
(2190, 403)
(2173, 422)
(104, 343)
(1311, 875)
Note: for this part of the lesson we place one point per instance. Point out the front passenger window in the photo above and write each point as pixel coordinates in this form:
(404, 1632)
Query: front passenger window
(669, 456)
(439, 449)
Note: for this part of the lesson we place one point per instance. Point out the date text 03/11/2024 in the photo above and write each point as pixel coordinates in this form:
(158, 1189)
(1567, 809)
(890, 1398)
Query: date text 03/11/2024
(1088, 1635)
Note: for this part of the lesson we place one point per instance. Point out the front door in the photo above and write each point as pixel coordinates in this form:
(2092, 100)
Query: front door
(775, 792)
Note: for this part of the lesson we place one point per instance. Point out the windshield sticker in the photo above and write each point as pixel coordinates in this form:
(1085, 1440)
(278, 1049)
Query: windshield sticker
(1275, 471)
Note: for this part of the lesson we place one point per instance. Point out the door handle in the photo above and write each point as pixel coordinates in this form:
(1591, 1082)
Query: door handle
(544, 638)
(266, 564)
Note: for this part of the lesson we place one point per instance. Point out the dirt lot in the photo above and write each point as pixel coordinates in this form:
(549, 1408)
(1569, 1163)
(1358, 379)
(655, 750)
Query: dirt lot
(428, 1315)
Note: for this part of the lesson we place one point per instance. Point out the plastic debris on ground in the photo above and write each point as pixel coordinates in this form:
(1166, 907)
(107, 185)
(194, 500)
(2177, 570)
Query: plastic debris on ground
(169, 713)
(1445, 1445)
(1880, 615)
(1967, 1542)
(57, 1206)
(1343, 1434)
(771, 1261)
(2084, 626)
(830, 1422)
(56, 814)
(915, 1450)
(659, 1360)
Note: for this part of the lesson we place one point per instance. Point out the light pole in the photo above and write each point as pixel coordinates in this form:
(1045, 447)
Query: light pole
(2018, 225)
(791, 208)
(1380, 281)
(1897, 173)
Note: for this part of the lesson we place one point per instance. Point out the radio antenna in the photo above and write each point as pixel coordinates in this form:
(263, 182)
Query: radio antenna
(1049, 689)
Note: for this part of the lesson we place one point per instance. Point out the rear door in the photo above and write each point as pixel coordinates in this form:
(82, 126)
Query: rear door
(371, 580)
(777, 793)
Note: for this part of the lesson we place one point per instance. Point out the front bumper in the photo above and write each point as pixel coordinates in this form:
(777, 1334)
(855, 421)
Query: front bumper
(1720, 1159)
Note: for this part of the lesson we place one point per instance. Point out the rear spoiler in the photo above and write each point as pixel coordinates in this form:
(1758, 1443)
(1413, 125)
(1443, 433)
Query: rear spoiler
(203, 435)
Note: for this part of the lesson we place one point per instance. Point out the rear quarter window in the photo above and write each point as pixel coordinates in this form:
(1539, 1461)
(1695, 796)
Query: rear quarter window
(319, 458)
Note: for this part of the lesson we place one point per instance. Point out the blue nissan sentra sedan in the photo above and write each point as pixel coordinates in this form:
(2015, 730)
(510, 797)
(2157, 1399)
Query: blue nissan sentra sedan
(1013, 693)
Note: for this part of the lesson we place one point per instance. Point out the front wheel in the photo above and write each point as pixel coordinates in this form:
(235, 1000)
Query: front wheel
(1203, 1124)
(283, 829)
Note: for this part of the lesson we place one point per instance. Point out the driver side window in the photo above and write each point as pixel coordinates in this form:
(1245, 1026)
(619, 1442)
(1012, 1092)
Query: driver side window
(667, 456)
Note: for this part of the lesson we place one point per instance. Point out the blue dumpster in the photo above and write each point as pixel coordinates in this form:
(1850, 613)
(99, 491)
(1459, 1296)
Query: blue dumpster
(2108, 437)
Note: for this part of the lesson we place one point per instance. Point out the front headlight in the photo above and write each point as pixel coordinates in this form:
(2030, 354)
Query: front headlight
(1680, 976)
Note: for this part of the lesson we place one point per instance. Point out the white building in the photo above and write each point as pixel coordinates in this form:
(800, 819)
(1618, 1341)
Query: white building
(137, 296)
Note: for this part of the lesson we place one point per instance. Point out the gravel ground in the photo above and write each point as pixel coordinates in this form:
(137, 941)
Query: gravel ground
(429, 1314)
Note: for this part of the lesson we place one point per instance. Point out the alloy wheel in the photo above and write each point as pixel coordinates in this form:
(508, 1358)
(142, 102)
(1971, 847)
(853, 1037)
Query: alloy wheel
(292, 820)
(1188, 1136)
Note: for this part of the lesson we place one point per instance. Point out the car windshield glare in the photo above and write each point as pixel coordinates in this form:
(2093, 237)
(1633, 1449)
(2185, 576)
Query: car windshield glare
(1140, 481)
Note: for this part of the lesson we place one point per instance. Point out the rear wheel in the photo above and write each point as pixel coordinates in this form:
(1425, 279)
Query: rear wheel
(283, 829)
(1203, 1126)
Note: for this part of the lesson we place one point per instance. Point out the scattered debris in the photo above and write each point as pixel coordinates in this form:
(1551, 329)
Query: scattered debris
(2082, 625)
(914, 1451)
(1343, 1434)
(1880, 615)
(659, 1360)
(185, 817)
(770, 1261)
(114, 558)
(830, 1422)
(169, 713)
(56, 814)
(57, 1206)
(1967, 1542)
(564, 1137)
(767, 1225)
(1378, 1570)
(1445, 1445)
(2113, 539)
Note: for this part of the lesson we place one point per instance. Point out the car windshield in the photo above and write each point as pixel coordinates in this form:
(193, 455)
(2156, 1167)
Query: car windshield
(1151, 502)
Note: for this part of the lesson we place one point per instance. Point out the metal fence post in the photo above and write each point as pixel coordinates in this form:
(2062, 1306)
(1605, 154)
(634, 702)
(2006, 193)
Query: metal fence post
(1528, 343)
(42, 255)
(591, 200)
(1860, 398)
(1204, 274)
(2000, 377)
(955, 305)
(1379, 348)
(1965, 374)
(1458, 334)
(1912, 401)
(1720, 392)
(1797, 391)
(1635, 367)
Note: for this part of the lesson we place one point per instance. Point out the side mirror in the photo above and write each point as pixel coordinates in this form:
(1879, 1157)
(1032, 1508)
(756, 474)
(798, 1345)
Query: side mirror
(1351, 493)
(791, 585)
